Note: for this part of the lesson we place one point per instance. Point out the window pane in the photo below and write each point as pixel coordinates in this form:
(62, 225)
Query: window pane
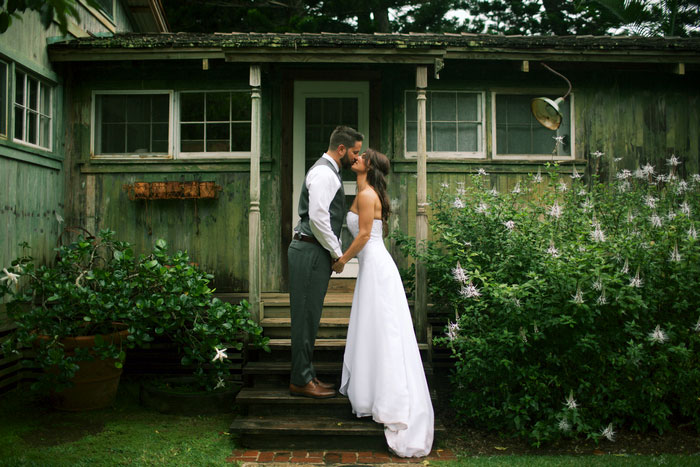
(444, 107)
(33, 93)
(314, 111)
(138, 138)
(19, 123)
(468, 137)
(349, 112)
(138, 109)
(160, 108)
(468, 107)
(192, 137)
(411, 107)
(112, 109)
(444, 137)
(411, 135)
(45, 99)
(240, 137)
(32, 135)
(519, 140)
(44, 132)
(192, 107)
(240, 106)
(3, 99)
(542, 140)
(19, 88)
(218, 107)
(113, 141)
(218, 137)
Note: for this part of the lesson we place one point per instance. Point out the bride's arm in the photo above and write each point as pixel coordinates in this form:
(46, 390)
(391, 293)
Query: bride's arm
(365, 208)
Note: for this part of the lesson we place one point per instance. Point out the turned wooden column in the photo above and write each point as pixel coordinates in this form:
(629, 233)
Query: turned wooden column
(420, 309)
(254, 273)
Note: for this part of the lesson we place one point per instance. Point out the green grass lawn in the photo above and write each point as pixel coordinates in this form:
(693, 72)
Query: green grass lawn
(127, 434)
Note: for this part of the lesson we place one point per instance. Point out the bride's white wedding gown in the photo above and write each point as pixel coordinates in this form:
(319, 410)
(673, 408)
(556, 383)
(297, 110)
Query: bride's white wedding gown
(382, 370)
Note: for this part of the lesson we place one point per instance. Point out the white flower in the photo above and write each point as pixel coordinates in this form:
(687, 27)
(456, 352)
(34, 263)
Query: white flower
(639, 174)
(598, 284)
(538, 177)
(602, 300)
(468, 244)
(516, 189)
(558, 139)
(523, 335)
(624, 187)
(469, 291)
(636, 281)
(617, 159)
(59, 218)
(459, 274)
(648, 169)
(458, 203)
(696, 328)
(9, 277)
(650, 201)
(535, 329)
(220, 384)
(685, 209)
(220, 354)
(692, 233)
(18, 268)
(582, 192)
(658, 336)
(578, 297)
(576, 175)
(625, 267)
(452, 330)
(608, 433)
(695, 178)
(624, 174)
(481, 172)
(587, 205)
(673, 161)
(682, 187)
(461, 191)
(555, 211)
(598, 235)
(445, 185)
(571, 402)
(655, 220)
(661, 178)
(671, 215)
(598, 154)
(564, 425)
(675, 256)
(563, 187)
(552, 250)
(482, 208)
(510, 225)
(494, 192)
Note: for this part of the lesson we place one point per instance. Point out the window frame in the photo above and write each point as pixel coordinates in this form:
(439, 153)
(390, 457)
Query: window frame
(107, 14)
(169, 155)
(208, 155)
(532, 157)
(52, 89)
(451, 155)
(4, 132)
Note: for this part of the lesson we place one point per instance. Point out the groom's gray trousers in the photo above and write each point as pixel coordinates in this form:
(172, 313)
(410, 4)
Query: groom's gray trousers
(309, 273)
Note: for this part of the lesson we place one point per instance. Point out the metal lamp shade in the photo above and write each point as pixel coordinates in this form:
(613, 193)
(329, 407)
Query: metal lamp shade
(546, 111)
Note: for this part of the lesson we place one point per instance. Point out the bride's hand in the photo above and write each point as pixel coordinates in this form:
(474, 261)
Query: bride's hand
(338, 265)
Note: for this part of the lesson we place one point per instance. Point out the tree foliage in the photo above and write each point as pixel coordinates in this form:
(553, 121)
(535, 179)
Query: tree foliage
(60, 11)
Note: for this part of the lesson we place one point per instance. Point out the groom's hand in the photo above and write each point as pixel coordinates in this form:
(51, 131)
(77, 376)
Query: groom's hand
(338, 266)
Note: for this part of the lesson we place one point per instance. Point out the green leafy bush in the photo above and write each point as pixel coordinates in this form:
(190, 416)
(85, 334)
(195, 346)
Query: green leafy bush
(97, 285)
(576, 307)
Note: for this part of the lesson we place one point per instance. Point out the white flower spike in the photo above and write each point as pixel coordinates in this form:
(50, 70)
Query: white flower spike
(571, 402)
(555, 211)
(578, 297)
(220, 354)
(470, 291)
(658, 336)
(220, 384)
(608, 433)
(510, 225)
(459, 274)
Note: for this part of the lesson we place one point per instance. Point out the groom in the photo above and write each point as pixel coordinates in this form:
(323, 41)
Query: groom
(315, 247)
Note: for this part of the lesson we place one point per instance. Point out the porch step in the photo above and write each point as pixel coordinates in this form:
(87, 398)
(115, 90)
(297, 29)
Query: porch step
(322, 368)
(328, 327)
(324, 344)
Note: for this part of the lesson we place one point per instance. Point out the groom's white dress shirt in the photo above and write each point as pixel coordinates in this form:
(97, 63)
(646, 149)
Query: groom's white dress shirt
(323, 184)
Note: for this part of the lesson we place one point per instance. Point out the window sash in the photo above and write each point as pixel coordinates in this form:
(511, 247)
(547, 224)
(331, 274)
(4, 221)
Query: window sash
(4, 88)
(504, 130)
(449, 132)
(33, 108)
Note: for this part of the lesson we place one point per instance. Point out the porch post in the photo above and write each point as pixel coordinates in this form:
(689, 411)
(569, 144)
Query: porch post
(254, 212)
(420, 309)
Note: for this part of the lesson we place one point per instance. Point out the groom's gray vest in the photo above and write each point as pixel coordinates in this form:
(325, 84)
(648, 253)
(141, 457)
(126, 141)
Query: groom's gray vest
(337, 207)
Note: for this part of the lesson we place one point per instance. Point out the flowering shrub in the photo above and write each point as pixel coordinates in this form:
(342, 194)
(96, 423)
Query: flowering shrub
(576, 307)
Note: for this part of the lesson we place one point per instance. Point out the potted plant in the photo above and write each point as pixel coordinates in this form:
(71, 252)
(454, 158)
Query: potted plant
(103, 298)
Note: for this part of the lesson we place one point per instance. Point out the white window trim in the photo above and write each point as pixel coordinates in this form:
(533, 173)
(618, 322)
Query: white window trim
(11, 131)
(136, 156)
(453, 155)
(8, 70)
(207, 155)
(533, 157)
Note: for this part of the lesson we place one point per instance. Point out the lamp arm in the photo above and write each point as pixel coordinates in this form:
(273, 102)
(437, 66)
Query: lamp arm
(562, 76)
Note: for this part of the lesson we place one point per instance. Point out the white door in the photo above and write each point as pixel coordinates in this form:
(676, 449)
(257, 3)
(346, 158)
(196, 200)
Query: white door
(320, 106)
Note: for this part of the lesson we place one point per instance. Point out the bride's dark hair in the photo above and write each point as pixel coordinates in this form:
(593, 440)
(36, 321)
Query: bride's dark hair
(378, 169)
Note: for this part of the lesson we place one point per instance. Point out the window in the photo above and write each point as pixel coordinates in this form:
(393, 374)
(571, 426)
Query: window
(134, 123)
(3, 99)
(107, 6)
(517, 134)
(454, 126)
(214, 123)
(33, 111)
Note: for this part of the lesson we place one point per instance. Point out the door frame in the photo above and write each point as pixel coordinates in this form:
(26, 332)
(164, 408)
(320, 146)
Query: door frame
(304, 89)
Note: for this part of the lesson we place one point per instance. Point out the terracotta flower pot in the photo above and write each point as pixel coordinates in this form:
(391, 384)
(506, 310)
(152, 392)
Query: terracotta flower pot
(95, 383)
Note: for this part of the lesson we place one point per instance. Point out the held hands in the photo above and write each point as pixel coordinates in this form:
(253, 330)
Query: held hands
(338, 265)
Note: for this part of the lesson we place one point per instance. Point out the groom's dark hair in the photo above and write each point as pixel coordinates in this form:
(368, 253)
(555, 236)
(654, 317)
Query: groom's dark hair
(344, 135)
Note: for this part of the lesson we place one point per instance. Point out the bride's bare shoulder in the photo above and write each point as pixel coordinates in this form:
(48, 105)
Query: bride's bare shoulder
(367, 194)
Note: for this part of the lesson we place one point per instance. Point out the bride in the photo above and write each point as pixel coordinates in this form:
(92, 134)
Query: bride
(382, 370)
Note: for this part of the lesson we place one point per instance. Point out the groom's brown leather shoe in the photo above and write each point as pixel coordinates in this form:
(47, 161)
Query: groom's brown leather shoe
(311, 389)
(324, 385)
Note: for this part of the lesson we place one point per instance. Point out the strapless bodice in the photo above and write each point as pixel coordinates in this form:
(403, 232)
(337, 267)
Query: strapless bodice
(353, 221)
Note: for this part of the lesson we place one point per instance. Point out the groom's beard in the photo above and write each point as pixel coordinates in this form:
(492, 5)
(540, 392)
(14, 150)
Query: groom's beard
(345, 161)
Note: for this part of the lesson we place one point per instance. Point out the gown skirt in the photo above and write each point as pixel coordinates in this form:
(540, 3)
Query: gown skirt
(382, 369)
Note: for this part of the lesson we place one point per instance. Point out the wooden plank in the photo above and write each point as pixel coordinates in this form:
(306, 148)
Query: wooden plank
(286, 322)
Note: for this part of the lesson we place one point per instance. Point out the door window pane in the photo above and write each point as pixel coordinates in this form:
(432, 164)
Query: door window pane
(132, 124)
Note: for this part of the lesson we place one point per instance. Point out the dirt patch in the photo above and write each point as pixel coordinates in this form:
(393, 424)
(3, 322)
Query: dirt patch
(61, 432)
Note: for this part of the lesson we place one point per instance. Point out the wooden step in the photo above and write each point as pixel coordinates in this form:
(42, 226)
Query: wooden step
(287, 322)
(328, 327)
(323, 344)
(283, 368)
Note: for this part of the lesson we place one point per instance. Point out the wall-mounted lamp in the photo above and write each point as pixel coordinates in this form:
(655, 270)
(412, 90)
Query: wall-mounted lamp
(546, 110)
